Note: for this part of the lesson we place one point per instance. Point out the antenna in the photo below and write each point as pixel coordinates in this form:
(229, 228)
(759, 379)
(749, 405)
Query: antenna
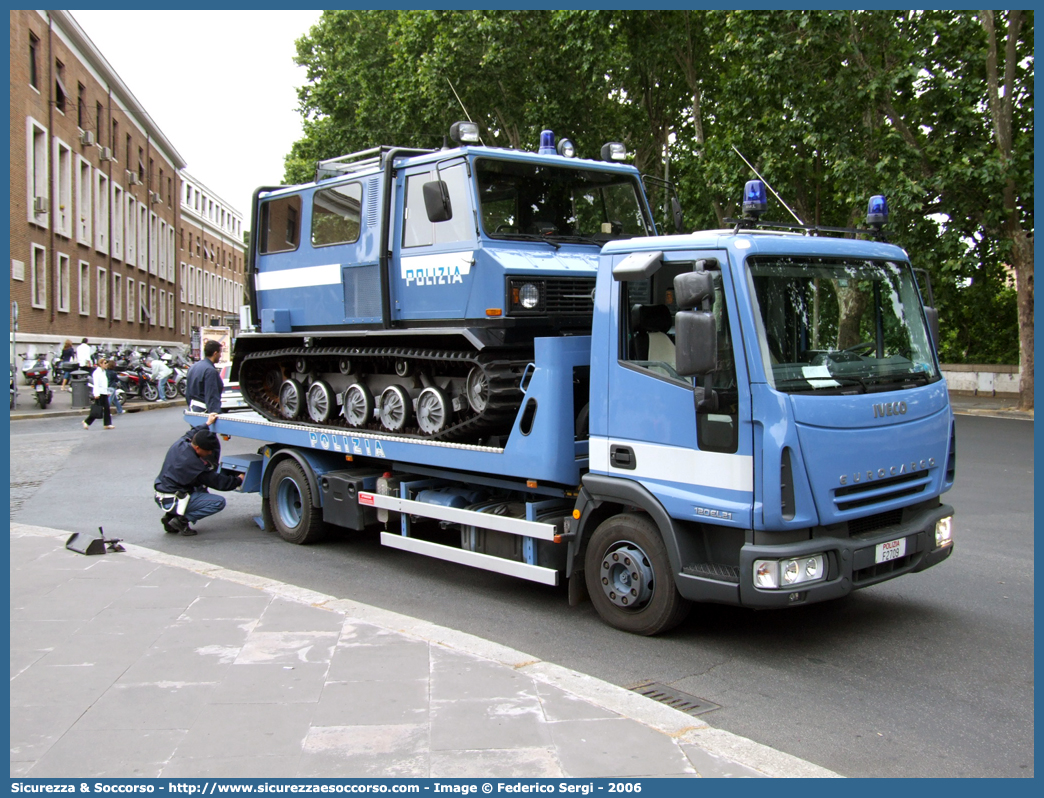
(763, 180)
(465, 110)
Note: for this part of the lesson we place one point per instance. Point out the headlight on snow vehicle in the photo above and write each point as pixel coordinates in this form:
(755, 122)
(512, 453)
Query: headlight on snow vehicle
(526, 296)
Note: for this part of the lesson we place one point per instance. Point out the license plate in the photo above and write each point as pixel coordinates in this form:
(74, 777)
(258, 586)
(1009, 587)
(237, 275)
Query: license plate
(892, 550)
(39, 388)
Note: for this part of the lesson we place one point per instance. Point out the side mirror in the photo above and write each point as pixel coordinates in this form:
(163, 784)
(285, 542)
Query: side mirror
(692, 288)
(437, 201)
(932, 315)
(696, 343)
(676, 212)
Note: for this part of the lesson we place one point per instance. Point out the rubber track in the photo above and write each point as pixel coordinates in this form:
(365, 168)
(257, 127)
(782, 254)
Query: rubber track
(503, 376)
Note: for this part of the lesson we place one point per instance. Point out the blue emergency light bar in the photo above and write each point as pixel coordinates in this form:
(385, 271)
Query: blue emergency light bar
(877, 211)
(547, 143)
(754, 200)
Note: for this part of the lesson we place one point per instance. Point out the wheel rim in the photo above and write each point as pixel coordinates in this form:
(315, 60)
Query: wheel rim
(626, 576)
(320, 402)
(403, 368)
(358, 405)
(290, 399)
(395, 408)
(344, 365)
(432, 411)
(289, 504)
(477, 389)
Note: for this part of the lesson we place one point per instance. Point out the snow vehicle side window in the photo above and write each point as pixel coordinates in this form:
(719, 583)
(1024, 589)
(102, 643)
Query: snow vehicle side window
(336, 214)
(280, 224)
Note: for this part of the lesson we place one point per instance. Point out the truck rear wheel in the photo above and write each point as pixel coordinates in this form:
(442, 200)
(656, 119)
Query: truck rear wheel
(290, 504)
(629, 578)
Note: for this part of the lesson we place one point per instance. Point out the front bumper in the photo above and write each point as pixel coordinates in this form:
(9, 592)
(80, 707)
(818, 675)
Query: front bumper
(850, 561)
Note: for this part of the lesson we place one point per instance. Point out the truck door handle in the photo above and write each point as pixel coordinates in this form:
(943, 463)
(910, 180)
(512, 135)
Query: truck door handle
(621, 457)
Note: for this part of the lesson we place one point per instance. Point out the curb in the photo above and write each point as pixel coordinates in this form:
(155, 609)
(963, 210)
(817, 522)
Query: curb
(22, 415)
(683, 728)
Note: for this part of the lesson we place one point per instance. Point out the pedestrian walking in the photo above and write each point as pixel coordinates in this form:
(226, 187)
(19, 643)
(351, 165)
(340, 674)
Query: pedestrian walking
(160, 371)
(203, 382)
(189, 469)
(114, 387)
(67, 358)
(100, 392)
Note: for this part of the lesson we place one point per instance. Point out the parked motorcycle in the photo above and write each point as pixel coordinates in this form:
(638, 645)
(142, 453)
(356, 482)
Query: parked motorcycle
(14, 389)
(37, 374)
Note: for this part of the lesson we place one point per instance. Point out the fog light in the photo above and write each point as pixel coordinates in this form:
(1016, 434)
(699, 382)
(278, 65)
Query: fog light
(766, 574)
(529, 296)
(773, 574)
(944, 531)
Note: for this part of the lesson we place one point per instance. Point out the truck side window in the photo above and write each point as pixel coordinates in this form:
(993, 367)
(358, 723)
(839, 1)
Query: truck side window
(417, 231)
(280, 224)
(336, 214)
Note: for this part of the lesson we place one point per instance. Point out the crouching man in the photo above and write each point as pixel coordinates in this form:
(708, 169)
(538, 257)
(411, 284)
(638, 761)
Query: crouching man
(190, 467)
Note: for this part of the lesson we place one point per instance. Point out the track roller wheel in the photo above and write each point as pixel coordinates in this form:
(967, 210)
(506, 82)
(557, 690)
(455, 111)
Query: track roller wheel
(396, 408)
(433, 411)
(357, 405)
(321, 402)
(291, 399)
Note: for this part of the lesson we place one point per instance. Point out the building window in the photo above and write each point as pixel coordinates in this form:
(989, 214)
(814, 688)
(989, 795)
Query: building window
(38, 184)
(162, 310)
(130, 300)
(170, 255)
(101, 212)
(152, 305)
(34, 47)
(117, 222)
(143, 237)
(81, 106)
(59, 87)
(130, 217)
(64, 283)
(170, 309)
(183, 321)
(103, 293)
(129, 150)
(143, 298)
(63, 183)
(83, 201)
(181, 284)
(114, 139)
(98, 120)
(85, 288)
(38, 277)
(117, 297)
(153, 254)
(162, 254)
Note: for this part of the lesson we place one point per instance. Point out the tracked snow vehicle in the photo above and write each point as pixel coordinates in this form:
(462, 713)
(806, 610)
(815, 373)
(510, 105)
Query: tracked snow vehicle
(402, 290)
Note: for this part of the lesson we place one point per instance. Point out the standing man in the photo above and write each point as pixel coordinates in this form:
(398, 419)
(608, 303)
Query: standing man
(189, 468)
(203, 383)
(83, 355)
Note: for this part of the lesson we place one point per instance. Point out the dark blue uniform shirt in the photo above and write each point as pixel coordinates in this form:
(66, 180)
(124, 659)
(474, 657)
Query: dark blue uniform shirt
(204, 384)
(183, 469)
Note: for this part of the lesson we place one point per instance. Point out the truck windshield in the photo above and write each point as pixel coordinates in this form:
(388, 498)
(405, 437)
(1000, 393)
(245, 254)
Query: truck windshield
(831, 325)
(525, 200)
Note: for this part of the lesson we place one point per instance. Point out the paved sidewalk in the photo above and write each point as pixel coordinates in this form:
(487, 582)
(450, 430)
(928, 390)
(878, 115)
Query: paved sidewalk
(143, 664)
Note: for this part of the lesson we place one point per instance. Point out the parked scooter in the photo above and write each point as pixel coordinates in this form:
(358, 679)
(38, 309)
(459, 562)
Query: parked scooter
(37, 374)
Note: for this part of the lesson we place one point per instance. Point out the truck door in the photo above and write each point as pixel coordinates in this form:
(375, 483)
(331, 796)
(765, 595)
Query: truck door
(691, 449)
(431, 265)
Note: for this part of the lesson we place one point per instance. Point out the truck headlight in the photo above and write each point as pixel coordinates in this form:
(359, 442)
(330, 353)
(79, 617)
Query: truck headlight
(529, 296)
(526, 296)
(772, 574)
(944, 531)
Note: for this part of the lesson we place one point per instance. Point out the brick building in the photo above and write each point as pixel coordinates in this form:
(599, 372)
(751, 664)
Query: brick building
(104, 223)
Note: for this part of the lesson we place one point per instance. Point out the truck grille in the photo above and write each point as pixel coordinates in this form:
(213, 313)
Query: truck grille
(559, 296)
(879, 491)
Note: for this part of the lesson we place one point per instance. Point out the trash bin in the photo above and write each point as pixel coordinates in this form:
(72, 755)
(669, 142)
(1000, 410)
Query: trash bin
(81, 390)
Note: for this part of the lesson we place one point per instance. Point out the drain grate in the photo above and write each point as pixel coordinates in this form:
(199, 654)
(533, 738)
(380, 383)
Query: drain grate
(683, 702)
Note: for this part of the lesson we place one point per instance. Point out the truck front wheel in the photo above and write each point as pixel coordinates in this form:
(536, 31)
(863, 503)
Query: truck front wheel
(290, 505)
(628, 577)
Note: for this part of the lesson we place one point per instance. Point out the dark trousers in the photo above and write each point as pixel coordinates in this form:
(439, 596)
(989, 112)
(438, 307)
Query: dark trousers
(102, 402)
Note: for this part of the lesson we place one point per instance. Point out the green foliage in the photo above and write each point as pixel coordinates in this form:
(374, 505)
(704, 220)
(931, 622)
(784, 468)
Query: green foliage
(829, 106)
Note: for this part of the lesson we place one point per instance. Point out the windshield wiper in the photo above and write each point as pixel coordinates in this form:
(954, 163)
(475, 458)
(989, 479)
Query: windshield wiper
(577, 238)
(808, 384)
(902, 377)
(526, 237)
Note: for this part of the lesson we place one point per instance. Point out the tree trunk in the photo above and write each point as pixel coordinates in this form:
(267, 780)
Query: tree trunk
(851, 304)
(1022, 262)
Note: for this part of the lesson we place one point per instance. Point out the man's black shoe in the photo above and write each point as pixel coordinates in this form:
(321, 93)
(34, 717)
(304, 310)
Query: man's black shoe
(180, 526)
(167, 527)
